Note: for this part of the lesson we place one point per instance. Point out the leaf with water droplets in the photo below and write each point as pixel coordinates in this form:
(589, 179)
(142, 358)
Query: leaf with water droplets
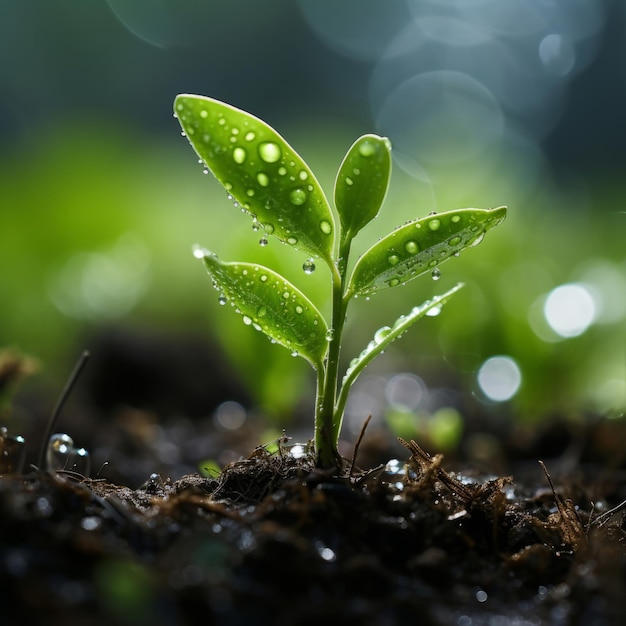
(362, 182)
(420, 246)
(261, 171)
(382, 338)
(271, 304)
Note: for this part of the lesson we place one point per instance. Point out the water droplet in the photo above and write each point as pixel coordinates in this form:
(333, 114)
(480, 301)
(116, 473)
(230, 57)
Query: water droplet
(393, 282)
(367, 149)
(349, 181)
(250, 136)
(326, 227)
(436, 274)
(393, 259)
(286, 295)
(246, 320)
(294, 353)
(269, 228)
(411, 247)
(454, 241)
(282, 171)
(308, 266)
(456, 218)
(478, 239)
(434, 224)
(263, 242)
(255, 225)
(263, 179)
(356, 171)
(239, 155)
(221, 121)
(381, 334)
(222, 299)
(62, 455)
(204, 114)
(235, 131)
(299, 310)
(250, 193)
(263, 278)
(297, 196)
(330, 333)
(434, 311)
(269, 151)
(292, 241)
(261, 311)
(457, 254)
(303, 175)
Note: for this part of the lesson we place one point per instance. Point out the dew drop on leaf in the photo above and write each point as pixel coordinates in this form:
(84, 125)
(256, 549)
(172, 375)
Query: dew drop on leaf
(436, 274)
(478, 239)
(330, 333)
(381, 334)
(292, 241)
(303, 175)
(246, 320)
(455, 241)
(222, 299)
(299, 310)
(263, 179)
(434, 224)
(239, 155)
(393, 259)
(262, 310)
(297, 196)
(250, 136)
(367, 149)
(434, 311)
(308, 266)
(263, 242)
(325, 227)
(411, 247)
(270, 152)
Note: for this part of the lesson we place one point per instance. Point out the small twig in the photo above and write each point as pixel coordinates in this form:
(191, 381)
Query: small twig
(358, 444)
(601, 519)
(82, 361)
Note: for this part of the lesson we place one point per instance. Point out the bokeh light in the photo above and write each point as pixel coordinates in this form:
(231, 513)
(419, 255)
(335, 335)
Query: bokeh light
(569, 309)
(499, 378)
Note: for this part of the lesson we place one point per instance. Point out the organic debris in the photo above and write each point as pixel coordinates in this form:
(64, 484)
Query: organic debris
(273, 540)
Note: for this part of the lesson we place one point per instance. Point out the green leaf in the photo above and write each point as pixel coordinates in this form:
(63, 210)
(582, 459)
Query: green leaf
(362, 182)
(383, 337)
(261, 171)
(270, 304)
(420, 246)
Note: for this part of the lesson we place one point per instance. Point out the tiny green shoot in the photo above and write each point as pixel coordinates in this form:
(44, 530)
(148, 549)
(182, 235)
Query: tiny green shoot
(267, 179)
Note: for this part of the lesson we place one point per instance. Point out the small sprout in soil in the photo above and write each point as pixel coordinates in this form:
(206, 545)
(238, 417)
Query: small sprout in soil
(266, 178)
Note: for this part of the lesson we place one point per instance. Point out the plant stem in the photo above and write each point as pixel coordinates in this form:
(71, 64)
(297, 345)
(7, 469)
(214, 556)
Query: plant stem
(326, 430)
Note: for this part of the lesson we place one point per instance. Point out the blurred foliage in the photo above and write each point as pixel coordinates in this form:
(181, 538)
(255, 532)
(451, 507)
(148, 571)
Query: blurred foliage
(102, 201)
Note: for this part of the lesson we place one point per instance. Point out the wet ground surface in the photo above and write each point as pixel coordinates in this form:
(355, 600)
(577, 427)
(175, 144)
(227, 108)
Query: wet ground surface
(142, 538)
(272, 540)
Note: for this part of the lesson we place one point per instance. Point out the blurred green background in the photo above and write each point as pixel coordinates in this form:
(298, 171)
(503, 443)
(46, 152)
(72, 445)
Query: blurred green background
(486, 103)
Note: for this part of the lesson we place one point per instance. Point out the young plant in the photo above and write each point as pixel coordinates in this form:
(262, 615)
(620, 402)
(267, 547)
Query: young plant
(267, 179)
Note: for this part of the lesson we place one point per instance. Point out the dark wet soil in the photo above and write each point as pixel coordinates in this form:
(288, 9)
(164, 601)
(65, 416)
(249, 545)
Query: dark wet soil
(273, 540)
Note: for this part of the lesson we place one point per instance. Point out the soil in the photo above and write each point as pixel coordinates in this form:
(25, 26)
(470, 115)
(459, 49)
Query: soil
(271, 539)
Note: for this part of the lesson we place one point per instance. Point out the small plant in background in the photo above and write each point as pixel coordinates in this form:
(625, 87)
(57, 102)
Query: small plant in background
(267, 179)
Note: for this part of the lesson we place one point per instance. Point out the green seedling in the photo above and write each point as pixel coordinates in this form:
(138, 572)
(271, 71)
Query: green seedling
(267, 179)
